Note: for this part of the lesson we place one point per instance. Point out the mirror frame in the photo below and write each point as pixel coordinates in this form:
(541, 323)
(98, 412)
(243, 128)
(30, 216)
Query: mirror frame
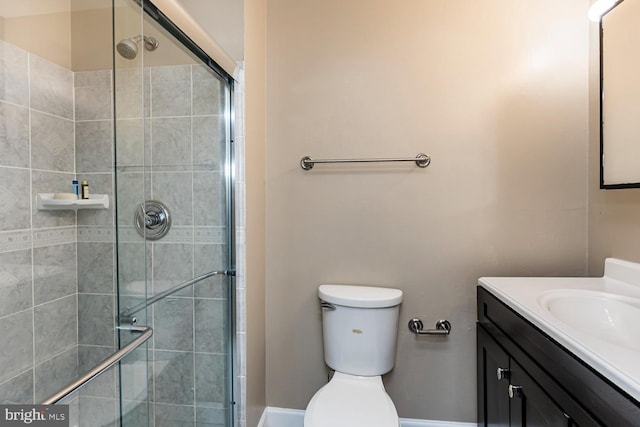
(601, 101)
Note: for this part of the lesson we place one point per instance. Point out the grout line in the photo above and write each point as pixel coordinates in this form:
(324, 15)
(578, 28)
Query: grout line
(60, 353)
(31, 213)
(30, 368)
(193, 249)
(17, 167)
(26, 107)
(46, 113)
(53, 171)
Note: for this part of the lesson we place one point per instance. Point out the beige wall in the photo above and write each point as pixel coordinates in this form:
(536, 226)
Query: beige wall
(614, 215)
(223, 19)
(47, 35)
(254, 48)
(497, 94)
(77, 38)
(92, 39)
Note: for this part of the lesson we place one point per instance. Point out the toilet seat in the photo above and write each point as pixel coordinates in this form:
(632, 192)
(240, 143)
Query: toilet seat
(351, 401)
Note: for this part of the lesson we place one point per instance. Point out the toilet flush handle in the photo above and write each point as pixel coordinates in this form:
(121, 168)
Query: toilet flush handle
(327, 306)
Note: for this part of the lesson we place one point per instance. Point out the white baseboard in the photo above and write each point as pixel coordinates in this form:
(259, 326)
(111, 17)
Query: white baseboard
(283, 417)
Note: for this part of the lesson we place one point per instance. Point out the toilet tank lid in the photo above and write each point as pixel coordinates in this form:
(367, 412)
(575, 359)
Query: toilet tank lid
(360, 296)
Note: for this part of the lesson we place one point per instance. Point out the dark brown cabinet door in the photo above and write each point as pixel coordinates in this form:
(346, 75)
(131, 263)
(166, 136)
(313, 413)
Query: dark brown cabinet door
(530, 405)
(493, 392)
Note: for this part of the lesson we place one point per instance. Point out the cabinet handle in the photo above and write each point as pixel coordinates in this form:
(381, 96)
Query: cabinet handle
(502, 373)
(515, 391)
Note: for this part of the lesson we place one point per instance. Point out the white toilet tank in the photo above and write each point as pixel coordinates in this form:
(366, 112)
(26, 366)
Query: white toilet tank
(360, 328)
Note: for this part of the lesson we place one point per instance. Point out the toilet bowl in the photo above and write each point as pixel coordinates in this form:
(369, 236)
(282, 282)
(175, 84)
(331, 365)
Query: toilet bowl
(351, 401)
(360, 327)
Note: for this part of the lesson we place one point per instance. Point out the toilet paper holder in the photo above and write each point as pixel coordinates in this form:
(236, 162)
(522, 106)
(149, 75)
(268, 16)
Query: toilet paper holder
(443, 327)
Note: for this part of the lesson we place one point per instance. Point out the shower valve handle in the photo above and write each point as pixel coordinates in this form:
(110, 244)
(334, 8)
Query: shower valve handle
(152, 219)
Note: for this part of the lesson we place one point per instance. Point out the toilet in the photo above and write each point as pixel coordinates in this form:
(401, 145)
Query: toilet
(360, 331)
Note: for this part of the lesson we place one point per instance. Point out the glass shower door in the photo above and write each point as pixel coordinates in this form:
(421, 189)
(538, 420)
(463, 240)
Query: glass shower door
(76, 278)
(133, 254)
(174, 225)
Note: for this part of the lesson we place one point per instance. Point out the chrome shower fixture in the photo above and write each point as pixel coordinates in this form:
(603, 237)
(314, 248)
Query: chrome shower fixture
(152, 220)
(128, 48)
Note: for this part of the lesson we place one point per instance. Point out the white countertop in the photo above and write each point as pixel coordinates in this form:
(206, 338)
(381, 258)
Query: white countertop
(619, 363)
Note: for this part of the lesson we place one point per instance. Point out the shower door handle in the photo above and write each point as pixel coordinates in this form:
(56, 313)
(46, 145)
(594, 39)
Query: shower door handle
(145, 333)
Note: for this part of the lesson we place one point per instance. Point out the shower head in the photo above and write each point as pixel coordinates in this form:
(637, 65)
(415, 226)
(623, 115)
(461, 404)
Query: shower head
(128, 48)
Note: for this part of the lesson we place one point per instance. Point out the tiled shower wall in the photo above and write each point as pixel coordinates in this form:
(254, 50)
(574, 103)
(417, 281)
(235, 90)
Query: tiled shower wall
(57, 281)
(38, 276)
(98, 403)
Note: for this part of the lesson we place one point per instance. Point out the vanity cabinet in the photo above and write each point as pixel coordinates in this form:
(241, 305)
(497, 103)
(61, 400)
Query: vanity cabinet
(525, 378)
(510, 396)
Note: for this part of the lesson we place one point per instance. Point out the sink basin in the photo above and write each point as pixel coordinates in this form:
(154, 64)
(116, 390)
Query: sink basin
(608, 317)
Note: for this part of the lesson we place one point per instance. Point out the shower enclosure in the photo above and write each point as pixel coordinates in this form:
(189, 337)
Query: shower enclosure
(112, 93)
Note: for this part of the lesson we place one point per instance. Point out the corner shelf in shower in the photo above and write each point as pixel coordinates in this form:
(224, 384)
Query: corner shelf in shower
(46, 202)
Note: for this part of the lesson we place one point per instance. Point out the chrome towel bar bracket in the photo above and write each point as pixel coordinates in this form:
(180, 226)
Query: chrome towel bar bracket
(443, 327)
(421, 160)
